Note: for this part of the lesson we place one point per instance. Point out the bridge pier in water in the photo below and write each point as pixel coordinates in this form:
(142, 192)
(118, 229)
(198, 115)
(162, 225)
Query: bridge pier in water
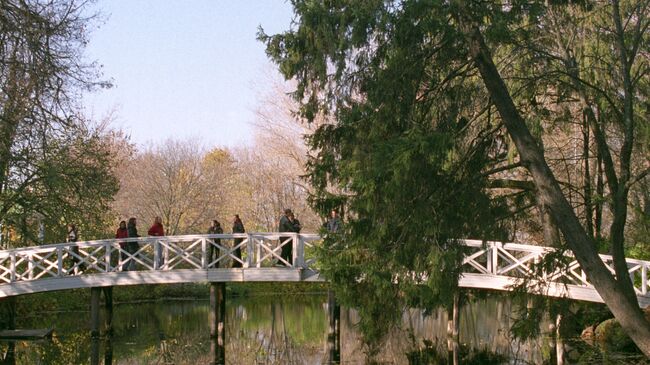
(453, 329)
(108, 306)
(334, 330)
(8, 311)
(95, 296)
(95, 324)
(217, 319)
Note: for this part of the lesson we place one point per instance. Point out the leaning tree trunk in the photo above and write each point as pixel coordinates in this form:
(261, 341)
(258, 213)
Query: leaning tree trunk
(626, 311)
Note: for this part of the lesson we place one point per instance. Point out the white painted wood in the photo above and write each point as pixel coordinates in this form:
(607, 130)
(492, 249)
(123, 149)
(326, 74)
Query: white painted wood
(272, 274)
(644, 279)
(488, 265)
(107, 256)
(250, 251)
(226, 275)
(156, 255)
(204, 254)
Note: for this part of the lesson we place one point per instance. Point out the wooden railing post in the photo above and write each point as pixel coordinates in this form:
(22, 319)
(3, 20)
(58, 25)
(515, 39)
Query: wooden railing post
(488, 254)
(495, 258)
(644, 279)
(13, 267)
(204, 253)
(294, 249)
(59, 261)
(156, 255)
(258, 250)
(165, 256)
(30, 267)
(108, 248)
(301, 251)
(250, 251)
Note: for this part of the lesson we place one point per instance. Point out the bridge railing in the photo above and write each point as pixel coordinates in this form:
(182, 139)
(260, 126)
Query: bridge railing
(518, 261)
(490, 260)
(157, 254)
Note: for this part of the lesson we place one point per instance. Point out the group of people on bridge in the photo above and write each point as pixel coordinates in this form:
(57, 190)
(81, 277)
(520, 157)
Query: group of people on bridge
(288, 223)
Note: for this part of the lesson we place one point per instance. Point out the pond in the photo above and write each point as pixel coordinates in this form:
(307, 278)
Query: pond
(260, 329)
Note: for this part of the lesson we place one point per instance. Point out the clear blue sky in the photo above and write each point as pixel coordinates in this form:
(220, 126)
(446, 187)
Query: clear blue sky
(184, 69)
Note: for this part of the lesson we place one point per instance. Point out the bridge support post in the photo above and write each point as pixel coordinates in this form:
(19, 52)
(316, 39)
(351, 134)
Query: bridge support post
(334, 330)
(559, 344)
(95, 294)
(8, 321)
(108, 306)
(95, 318)
(94, 351)
(217, 318)
(453, 318)
(8, 313)
(453, 329)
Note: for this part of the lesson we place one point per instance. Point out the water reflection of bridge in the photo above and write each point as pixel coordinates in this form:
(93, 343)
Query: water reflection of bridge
(186, 259)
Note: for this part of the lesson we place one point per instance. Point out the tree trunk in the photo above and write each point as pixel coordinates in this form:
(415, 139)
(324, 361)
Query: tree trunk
(620, 196)
(549, 227)
(626, 311)
(12, 113)
(586, 177)
(600, 192)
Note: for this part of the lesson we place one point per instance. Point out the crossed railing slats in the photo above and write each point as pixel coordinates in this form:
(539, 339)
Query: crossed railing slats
(517, 260)
(155, 253)
(259, 250)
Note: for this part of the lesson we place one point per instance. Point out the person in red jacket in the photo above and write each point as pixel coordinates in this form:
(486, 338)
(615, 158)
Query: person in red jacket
(122, 232)
(158, 230)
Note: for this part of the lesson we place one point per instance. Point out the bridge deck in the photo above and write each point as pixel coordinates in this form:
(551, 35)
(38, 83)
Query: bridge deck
(187, 259)
(160, 277)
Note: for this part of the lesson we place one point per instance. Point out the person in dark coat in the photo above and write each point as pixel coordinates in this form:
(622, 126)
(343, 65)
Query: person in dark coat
(333, 224)
(237, 227)
(295, 223)
(213, 252)
(158, 230)
(132, 246)
(285, 225)
(72, 237)
(122, 232)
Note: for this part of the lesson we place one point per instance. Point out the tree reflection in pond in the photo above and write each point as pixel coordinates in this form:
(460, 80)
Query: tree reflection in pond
(259, 330)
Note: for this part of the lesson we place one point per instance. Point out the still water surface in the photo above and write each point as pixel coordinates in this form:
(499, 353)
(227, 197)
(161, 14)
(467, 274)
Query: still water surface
(265, 329)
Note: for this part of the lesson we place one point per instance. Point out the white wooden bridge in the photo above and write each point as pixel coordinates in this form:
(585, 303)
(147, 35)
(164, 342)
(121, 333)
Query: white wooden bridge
(184, 259)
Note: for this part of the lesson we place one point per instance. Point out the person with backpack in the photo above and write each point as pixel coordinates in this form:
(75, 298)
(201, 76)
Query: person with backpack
(237, 227)
(72, 237)
(132, 247)
(213, 252)
(157, 230)
(286, 225)
(295, 223)
(122, 232)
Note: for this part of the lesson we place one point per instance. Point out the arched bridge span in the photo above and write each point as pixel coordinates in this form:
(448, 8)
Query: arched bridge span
(185, 259)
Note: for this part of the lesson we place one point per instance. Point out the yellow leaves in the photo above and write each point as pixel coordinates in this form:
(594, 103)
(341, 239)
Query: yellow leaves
(217, 158)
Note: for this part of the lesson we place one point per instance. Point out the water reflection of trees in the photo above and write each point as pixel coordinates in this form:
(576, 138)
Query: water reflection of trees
(276, 333)
(483, 324)
(259, 330)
